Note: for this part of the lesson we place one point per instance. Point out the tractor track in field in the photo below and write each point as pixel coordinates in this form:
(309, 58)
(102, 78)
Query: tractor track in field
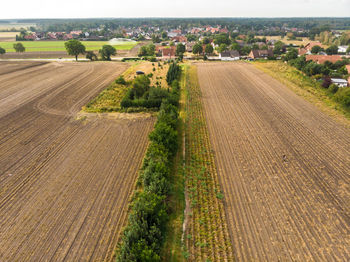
(65, 183)
(284, 167)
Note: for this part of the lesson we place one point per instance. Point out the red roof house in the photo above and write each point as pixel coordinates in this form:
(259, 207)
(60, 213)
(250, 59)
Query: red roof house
(321, 59)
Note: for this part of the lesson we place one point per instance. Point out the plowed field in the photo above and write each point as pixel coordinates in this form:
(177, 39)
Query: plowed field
(284, 167)
(64, 182)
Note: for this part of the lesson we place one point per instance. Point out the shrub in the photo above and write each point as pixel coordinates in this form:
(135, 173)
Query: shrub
(120, 80)
(165, 135)
(333, 88)
(343, 96)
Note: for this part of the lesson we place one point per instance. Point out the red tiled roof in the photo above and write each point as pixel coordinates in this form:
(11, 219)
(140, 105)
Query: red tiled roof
(320, 59)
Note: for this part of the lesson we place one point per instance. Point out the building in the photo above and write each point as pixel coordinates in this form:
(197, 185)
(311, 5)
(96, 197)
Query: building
(321, 59)
(342, 48)
(169, 52)
(339, 82)
(179, 39)
(231, 55)
(189, 46)
(256, 54)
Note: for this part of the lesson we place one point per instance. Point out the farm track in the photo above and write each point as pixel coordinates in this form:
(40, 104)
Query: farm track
(283, 165)
(64, 183)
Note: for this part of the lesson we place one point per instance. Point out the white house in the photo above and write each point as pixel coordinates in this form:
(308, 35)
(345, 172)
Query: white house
(342, 48)
(231, 55)
(339, 82)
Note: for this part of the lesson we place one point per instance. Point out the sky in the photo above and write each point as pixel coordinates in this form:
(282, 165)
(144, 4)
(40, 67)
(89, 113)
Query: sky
(173, 8)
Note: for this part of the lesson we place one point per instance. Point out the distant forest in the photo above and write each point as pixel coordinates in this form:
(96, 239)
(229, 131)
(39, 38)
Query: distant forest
(244, 25)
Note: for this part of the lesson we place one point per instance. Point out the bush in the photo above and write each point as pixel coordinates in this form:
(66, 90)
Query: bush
(343, 96)
(333, 88)
(120, 80)
(165, 135)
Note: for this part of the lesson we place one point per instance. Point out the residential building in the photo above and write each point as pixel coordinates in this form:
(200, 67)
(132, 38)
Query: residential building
(230, 55)
(342, 49)
(256, 54)
(339, 82)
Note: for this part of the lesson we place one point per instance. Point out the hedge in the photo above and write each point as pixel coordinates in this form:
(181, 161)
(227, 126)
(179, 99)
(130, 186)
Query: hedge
(144, 235)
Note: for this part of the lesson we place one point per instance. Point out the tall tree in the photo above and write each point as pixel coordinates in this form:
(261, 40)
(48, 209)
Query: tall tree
(209, 49)
(74, 47)
(106, 52)
(180, 49)
(316, 49)
(332, 50)
(197, 48)
(19, 47)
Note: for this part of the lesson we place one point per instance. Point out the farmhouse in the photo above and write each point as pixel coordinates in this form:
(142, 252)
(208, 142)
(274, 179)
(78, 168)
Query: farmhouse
(339, 82)
(255, 54)
(229, 55)
(321, 59)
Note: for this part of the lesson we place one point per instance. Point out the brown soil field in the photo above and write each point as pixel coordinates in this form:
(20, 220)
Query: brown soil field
(65, 182)
(284, 167)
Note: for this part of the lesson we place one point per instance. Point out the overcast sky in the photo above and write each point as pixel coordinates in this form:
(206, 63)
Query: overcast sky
(173, 8)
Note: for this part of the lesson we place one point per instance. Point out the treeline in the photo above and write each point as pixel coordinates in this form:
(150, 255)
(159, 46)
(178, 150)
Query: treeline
(144, 235)
(317, 25)
(142, 95)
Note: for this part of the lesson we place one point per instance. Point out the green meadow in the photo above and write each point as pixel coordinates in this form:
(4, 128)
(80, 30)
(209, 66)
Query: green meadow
(42, 46)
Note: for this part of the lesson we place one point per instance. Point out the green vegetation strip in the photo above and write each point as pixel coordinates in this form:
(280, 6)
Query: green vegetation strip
(144, 235)
(206, 236)
(55, 46)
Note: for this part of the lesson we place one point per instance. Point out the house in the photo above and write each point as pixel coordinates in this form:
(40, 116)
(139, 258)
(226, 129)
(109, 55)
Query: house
(67, 37)
(231, 55)
(179, 39)
(339, 82)
(342, 48)
(189, 46)
(169, 52)
(321, 59)
(256, 54)
(30, 36)
(306, 50)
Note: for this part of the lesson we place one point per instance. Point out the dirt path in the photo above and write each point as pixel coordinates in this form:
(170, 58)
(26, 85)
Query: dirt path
(284, 167)
(64, 183)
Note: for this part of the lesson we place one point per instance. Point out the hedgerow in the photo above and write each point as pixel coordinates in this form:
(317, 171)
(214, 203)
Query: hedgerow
(144, 235)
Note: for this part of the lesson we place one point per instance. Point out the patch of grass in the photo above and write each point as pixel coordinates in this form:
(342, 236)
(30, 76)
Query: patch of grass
(307, 88)
(108, 100)
(55, 46)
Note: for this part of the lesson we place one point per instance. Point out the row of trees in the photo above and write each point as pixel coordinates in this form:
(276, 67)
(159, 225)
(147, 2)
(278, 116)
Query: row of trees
(144, 235)
(75, 48)
(17, 46)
